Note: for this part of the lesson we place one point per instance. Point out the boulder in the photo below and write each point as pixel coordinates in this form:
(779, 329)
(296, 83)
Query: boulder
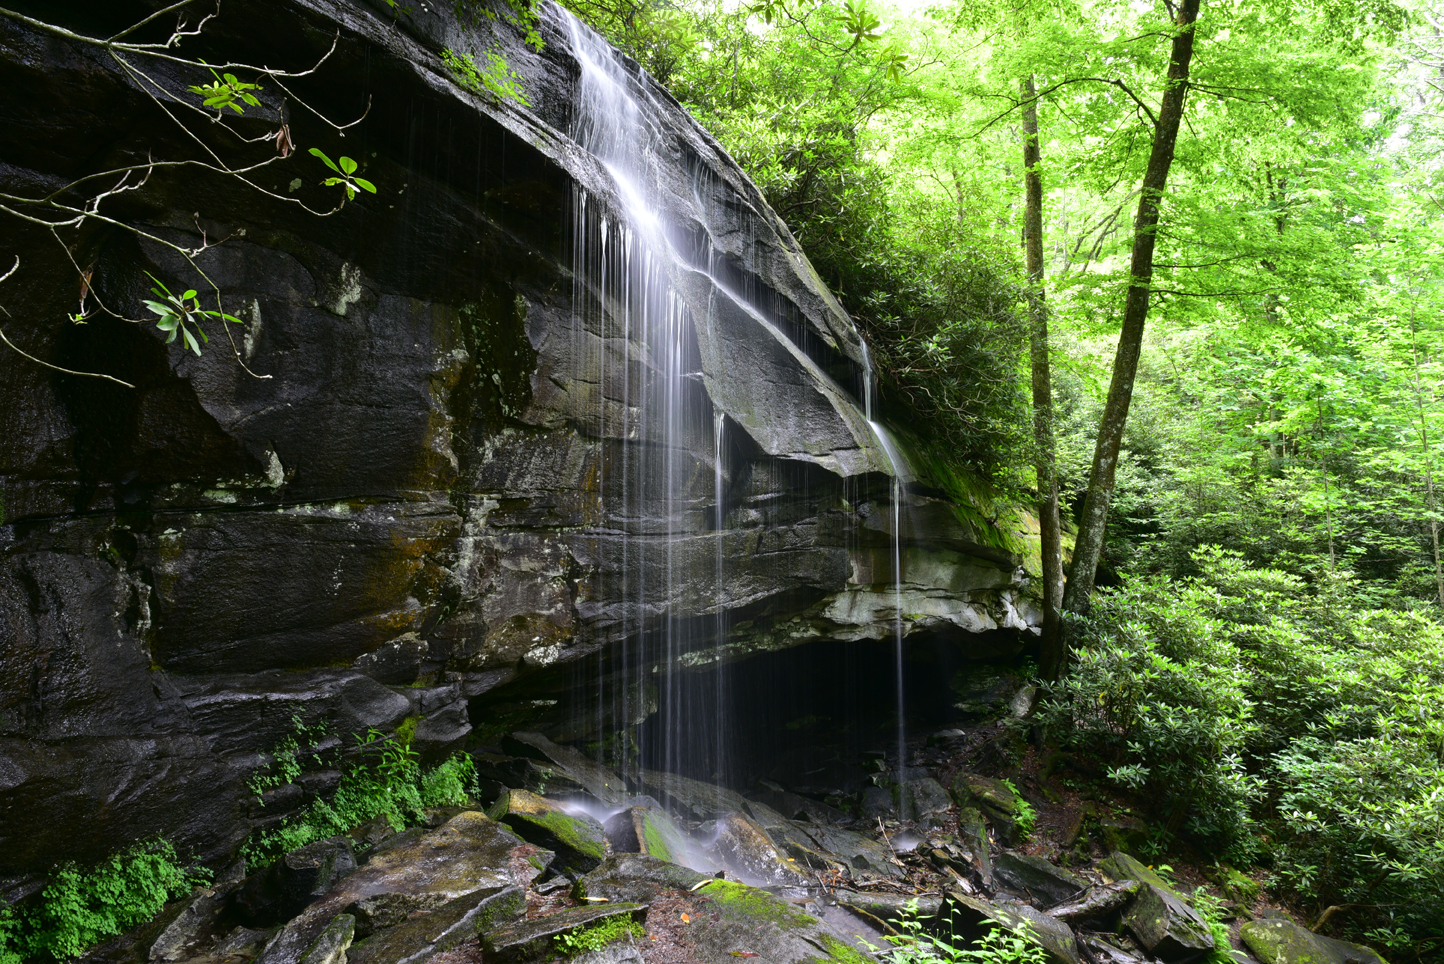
(634, 878)
(282, 890)
(1159, 918)
(999, 802)
(1098, 902)
(417, 938)
(576, 838)
(1278, 941)
(876, 802)
(196, 919)
(974, 835)
(742, 921)
(591, 776)
(1122, 832)
(793, 839)
(536, 939)
(1035, 878)
(331, 946)
(888, 908)
(647, 830)
(469, 855)
(924, 800)
(752, 856)
(691, 798)
(860, 852)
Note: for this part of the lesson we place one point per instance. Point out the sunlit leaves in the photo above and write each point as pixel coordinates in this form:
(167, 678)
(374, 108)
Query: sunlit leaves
(177, 315)
(226, 91)
(347, 180)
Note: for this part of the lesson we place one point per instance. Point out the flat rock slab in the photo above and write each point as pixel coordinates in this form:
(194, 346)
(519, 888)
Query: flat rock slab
(1279, 941)
(635, 878)
(862, 853)
(1043, 883)
(970, 916)
(1159, 917)
(733, 921)
(792, 838)
(888, 908)
(596, 779)
(752, 855)
(1097, 902)
(535, 939)
(416, 939)
(577, 839)
(470, 854)
(692, 798)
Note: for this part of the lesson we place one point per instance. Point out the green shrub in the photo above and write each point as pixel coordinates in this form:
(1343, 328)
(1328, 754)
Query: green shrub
(1275, 721)
(388, 782)
(79, 908)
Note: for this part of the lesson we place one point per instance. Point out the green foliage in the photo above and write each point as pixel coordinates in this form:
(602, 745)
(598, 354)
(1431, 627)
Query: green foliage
(916, 944)
(345, 178)
(176, 312)
(1026, 818)
(79, 908)
(496, 78)
(226, 91)
(1272, 720)
(387, 781)
(597, 936)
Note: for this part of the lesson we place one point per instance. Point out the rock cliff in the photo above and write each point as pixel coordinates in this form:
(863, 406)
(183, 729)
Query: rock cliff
(442, 483)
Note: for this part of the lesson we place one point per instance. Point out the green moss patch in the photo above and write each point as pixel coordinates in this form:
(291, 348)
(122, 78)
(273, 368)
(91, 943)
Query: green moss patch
(740, 900)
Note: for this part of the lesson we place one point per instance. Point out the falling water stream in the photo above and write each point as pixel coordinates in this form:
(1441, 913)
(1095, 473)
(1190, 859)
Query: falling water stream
(638, 343)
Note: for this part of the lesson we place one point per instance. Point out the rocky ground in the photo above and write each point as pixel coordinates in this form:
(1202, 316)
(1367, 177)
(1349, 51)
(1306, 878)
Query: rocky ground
(574, 861)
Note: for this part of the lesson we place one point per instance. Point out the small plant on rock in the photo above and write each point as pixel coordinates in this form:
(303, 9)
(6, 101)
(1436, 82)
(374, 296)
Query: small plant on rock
(597, 936)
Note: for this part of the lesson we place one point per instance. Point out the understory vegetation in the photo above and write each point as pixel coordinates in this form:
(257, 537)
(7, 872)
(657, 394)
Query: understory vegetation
(79, 908)
(1296, 728)
(384, 779)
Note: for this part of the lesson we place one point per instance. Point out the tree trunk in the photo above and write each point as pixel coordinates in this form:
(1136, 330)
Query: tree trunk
(1430, 504)
(1053, 653)
(1091, 527)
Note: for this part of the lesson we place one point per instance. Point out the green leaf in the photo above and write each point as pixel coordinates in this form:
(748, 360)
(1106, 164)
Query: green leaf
(190, 341)
(348, 166)
(190, 293)
(328, 162)
(365, 185)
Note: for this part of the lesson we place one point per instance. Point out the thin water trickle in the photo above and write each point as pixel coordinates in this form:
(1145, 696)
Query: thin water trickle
(895, 460)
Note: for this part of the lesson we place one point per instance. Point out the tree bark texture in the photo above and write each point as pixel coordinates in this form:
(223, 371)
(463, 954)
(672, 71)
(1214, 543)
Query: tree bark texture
(1052, 650)
(1093, 523)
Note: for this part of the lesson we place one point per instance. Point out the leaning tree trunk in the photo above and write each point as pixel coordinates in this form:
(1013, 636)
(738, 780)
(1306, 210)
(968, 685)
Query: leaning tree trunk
(1091, 526)
(1053, 654)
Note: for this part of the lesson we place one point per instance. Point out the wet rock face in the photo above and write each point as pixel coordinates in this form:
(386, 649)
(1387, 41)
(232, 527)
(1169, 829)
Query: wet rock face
(421, 489)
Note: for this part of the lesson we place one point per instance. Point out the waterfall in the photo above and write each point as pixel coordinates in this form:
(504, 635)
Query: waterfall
(641, 354)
